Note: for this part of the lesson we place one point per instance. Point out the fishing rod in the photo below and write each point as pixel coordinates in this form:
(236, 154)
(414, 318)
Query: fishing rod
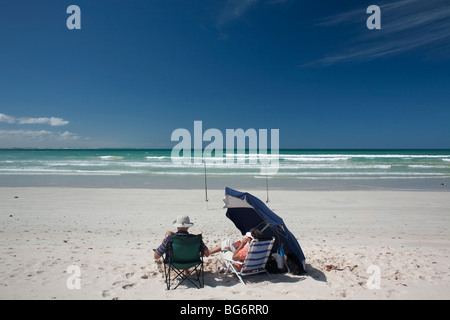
(206, 183)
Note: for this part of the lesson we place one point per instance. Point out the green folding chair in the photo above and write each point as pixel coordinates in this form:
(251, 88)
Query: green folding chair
(186, 253)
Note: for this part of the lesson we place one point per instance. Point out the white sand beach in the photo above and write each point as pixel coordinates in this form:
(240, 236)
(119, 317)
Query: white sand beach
(109, 235)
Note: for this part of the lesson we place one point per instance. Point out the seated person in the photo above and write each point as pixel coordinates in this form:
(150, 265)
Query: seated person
(182, 223)
(237, 250)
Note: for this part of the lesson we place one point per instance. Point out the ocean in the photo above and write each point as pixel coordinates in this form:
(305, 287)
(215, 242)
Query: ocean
(297, 169)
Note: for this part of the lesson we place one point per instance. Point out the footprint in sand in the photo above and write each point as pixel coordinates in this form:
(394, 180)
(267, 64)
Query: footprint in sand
(128, 286)
(106, 293)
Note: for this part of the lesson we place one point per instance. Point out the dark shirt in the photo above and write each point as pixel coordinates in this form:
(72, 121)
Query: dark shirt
(165, 245)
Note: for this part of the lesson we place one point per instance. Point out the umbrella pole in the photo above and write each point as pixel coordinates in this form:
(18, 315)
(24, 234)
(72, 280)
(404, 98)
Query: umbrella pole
(267, 187)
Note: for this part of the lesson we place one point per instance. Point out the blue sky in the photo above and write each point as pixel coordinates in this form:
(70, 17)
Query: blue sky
(139, 69)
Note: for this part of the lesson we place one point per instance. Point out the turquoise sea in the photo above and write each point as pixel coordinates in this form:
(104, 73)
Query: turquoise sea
(298, 169)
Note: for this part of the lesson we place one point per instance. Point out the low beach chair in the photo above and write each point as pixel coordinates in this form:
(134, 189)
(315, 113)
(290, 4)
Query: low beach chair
(255, 260)
(186, 253)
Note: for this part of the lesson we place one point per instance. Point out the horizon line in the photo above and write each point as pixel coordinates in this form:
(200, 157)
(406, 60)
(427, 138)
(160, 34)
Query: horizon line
(131, 148)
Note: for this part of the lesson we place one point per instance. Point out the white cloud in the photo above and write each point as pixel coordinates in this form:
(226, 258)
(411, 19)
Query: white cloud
(17, 137)
(29, 134)
(66, 135)
(39, 139)
(7, 119)
(52, 121)
(38, 135)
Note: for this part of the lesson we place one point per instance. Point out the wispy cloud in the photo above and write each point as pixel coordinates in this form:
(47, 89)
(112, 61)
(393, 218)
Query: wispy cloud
(406, 25)
(38, 135)
(52, 121)
(236, 9)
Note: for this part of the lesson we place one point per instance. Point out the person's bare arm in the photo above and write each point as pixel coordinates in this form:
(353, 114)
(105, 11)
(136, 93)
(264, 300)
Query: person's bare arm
(242, 245)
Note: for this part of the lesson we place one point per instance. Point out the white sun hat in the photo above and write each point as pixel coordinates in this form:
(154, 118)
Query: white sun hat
(182, 222)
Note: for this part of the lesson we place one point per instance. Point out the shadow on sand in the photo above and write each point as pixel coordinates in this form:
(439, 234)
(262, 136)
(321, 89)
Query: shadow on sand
(227, 280)
(316, 274)
(214, 280)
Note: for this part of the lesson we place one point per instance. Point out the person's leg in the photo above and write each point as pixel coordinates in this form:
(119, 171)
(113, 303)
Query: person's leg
(216, 249)
(221, 259)
(225, 245)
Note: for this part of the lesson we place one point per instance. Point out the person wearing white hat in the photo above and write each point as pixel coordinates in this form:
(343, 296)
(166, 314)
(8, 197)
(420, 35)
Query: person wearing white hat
(182, 223)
